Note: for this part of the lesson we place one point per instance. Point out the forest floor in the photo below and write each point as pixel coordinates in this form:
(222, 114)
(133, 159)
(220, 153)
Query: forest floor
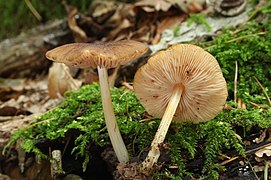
(235, 145)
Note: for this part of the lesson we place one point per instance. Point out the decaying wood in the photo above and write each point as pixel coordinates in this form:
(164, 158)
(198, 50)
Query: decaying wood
(23, 56)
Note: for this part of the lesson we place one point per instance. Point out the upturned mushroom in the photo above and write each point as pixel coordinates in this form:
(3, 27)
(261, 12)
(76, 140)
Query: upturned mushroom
(183, 83)
(103, 56)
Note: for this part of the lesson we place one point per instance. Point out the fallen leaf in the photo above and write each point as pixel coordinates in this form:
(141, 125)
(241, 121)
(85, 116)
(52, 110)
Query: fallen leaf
(268, 131)
(101, 11)
(60, 80)
(79, 34)
(167, 23)
(260, 138)
(11, 88)
(122, 27)
(266, 150)
(14, 84)
(227, 107)
(14, 123)
(154, 5)
(257, 168)
(90, 76)
(195, 7)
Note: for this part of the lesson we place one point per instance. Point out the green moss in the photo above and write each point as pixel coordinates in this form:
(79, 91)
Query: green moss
(253, 55)
(250, 47)
(82, 110)
(199, 19)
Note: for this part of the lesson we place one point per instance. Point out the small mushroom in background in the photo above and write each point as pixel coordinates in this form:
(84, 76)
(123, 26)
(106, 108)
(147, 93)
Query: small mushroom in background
(183, 83)
(103, 56)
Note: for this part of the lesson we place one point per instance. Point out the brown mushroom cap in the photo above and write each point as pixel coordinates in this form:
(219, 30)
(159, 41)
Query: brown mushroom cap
(109, 55)
(195, 70)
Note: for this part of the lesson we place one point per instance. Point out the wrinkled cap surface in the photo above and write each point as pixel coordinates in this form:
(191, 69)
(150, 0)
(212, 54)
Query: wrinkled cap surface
(109, 55)
(192, 68)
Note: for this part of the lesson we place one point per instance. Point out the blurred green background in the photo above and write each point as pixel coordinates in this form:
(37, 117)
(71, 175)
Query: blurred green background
(16, 16)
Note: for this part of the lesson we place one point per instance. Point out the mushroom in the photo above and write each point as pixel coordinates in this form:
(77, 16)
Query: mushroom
(103, 56)
(183, 83)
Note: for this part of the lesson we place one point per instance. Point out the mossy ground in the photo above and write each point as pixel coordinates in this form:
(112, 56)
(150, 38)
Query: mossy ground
(249, 46)
(82, 111)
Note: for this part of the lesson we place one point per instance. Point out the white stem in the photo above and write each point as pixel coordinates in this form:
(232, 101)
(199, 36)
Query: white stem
(266, 171)
(110, 120)
(160, 135)
(235, 82)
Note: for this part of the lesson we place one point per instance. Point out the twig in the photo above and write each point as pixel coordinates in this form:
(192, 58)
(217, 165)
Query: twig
(258, 106)
(254, 104)
(246, 36)
(77, 114)
(228, 161)
(235, 82)
(265, 93)
(66, 145)
(253, 171)
(257, 148)
(40, 122)
(239, 38)
(145, 120)
(33, 10)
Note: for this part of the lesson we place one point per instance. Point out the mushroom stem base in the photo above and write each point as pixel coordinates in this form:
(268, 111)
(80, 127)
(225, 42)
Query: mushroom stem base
(160, 135)
(110, 120)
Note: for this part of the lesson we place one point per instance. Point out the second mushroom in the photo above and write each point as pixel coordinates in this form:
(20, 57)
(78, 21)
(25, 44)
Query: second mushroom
(102, 56)
(182, 83)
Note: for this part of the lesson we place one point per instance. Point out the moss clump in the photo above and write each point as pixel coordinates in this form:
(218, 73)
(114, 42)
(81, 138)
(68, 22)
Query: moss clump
(214, 137)
(250, 47)
(82, 111)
